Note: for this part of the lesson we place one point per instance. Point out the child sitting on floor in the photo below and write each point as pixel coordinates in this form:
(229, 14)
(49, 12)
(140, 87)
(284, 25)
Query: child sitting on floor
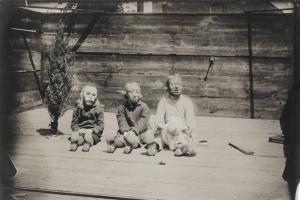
(87, 122)
(174, 120)
(132, 117)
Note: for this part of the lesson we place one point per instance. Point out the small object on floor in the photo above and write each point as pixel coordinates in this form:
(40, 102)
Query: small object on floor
(277, 139)
(202, 141)
(162, 163)
(241, 150)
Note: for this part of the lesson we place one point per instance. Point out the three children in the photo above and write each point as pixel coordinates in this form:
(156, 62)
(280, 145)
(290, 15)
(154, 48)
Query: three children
(172, 128)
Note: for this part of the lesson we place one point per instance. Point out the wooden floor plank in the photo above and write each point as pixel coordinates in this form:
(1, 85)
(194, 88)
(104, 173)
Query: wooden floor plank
(46, 195)
(217, 172)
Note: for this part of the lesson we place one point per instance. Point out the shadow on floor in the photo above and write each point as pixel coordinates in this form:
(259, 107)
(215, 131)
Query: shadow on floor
(47, 132)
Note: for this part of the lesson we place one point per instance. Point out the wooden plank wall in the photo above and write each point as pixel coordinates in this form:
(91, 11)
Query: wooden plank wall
(24, 60)
(147, 48)
(166, 6)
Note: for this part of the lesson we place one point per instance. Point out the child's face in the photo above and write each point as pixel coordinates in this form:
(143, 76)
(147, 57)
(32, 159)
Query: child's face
(175, 87)
(134, 94)
(89, 95)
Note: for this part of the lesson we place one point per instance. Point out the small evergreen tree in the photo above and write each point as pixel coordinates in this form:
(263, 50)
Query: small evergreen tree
(60, 58)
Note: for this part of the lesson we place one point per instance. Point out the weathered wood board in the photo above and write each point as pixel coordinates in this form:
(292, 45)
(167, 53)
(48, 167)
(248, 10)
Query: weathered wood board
(122, 48)
(217, 172)
(147, 48)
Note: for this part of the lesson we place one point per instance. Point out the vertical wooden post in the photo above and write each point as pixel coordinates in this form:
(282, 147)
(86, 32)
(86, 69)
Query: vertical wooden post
(296, 44)
(251, 95)
(140, 6)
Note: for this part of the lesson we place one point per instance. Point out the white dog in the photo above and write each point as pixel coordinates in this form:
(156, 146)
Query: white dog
(176, 135)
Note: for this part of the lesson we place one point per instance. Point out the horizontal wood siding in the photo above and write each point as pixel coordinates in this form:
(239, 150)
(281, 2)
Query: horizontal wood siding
(25, 59)
(147, 48)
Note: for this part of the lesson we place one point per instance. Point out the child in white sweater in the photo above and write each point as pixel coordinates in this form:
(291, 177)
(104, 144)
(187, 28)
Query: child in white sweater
(174, 120)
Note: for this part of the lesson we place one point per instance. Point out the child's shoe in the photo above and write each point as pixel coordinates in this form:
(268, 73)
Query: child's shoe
(119, 142)
(85, 147)
(127, 149)
(110, 148)
(151, 151)
(73, 146)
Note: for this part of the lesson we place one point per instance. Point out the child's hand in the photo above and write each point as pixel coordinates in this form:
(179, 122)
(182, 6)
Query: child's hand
(88, 131)
(81, 132)
(131, 133)
(125, 134)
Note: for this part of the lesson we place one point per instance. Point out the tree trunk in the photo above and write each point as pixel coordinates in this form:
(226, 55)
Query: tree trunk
(54, 126)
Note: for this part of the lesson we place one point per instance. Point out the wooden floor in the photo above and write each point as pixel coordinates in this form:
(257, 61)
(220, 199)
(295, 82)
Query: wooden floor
(47, 170)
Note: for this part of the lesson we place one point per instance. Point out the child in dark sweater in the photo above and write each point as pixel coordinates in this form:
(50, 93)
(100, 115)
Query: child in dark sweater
(87, 121)
(132, 116)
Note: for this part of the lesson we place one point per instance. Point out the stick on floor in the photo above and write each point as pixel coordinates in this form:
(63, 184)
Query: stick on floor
(241, 150)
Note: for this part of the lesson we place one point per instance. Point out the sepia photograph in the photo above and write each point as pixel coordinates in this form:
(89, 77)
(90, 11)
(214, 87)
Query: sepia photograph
(150, 99)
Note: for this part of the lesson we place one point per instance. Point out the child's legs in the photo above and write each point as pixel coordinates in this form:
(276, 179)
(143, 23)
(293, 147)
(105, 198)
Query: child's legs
(153, 127)
(147, 137)
(151, 137)
(80, 140)
(152, 123)
(132, 140)
(88, 137)
(76, 138)
(166, 139)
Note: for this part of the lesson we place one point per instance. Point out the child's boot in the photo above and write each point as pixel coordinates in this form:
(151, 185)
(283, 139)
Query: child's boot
(119, 141)
(110, 146)
(88, 142)
(132, 142)
(74, 141)
(73, 146)
(152, 149)
(127, 149)
(86, 147)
